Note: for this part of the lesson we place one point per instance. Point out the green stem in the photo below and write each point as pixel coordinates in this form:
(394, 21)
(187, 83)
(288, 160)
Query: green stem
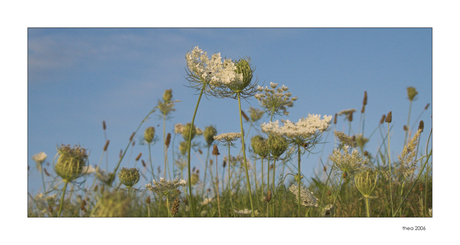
(205, 170)
(244, 156)
(192, 208)
(43, 180)
(151, 165)
(389, 166)
(367, 206)
(62, 198)
(408, 120)
(217, 187)
(298, 177)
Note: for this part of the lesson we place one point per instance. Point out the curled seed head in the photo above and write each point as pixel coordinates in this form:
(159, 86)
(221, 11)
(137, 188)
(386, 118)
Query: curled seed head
(388, 118)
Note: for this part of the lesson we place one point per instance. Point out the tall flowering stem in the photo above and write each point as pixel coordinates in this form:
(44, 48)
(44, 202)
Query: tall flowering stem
(189, 152)
(244, 157)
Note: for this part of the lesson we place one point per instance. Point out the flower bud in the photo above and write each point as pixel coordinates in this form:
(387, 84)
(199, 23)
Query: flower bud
(149, 134)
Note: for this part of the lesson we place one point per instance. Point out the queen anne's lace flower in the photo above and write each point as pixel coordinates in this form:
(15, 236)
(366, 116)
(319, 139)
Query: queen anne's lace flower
(275, 100)
(165, 187)
(39, 157)
(212, 70)
(226, 137)
(245, 212)
(347, 162)
(306, 197)
(305, 127)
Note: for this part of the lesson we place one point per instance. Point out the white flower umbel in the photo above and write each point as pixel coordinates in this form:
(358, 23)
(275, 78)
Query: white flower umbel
(206, 201)
(227, 137)
(39, 157)
(275, 100)
(347, 162)
(246, 212)
(212, 70)
(165, 187)
(304, 128)
(306, 196)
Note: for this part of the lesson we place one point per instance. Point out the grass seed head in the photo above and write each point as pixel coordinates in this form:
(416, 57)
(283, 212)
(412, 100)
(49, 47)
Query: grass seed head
(106, 145)
(388, 118)
(215, 151)
(168, 140)
(421, 125)
(175, 206)
(382, 119)
(167, 96)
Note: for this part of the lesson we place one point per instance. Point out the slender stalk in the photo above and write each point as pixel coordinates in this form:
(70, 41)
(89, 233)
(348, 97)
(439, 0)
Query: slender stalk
(244, 156)
(273, 185)
(389, 166)
(43, 180)
(367, 206)
(62, 198)
(408, 120)
(150, 159)
(217, 187)
(205, 170)
(192, 202)
(298, 179)
(262, 174)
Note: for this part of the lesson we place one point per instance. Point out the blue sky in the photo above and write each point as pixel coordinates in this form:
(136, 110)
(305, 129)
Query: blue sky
(79, 77)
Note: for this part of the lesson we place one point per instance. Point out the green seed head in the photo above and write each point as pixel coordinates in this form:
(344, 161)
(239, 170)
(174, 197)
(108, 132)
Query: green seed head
(70, 163)
(209, 133)
(277, 144)
(149, 134)
(411, 93)
(195, 178)
(129, 176)
(260, 146)
(167, 96)
(186, 131)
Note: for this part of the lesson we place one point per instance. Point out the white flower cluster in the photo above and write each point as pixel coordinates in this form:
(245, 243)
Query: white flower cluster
(226, 137)
(275, 99)
(88, 169)
(304, 128)
(212, 70)
(306, 197)
(39, 157)
(246, 212)
(206, 201)
(165, 187)
(346, 162)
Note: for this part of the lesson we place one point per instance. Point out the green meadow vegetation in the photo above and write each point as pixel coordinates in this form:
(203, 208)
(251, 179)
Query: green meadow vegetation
(262, 176)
